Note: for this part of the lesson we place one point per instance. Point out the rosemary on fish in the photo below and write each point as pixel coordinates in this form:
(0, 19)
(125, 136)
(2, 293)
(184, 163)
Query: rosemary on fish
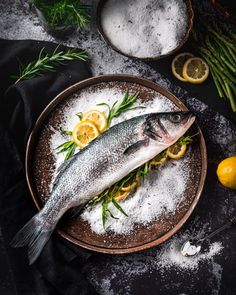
(48, 62)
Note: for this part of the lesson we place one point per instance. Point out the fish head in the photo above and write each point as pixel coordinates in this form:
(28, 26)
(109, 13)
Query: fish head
(167, 128)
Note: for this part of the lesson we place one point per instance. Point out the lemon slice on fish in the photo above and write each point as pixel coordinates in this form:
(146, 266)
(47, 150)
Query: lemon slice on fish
(176, 151)
(97, 118)
(121, 195)
(84, 132)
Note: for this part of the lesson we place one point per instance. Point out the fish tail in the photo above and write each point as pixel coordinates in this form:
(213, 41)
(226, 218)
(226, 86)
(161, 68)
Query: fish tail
(35, 235)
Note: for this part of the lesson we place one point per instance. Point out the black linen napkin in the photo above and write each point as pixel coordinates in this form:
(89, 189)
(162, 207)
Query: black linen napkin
(59, 268)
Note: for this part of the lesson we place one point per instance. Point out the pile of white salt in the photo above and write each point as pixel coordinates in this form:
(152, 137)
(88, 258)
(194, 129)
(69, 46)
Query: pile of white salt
(147, 28)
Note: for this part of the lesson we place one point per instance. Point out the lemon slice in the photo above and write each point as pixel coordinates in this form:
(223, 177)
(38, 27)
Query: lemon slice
(84, 132)
(97, 118)
(195, 70)
(178, 64)
(129, 186)
(176, 151)
(159, 159)
(120, 195)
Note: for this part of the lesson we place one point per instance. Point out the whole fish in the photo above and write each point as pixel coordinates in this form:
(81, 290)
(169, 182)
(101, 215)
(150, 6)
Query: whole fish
(106, 160)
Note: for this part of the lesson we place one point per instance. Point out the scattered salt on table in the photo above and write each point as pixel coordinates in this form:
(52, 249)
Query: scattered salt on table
(144, 28)
(171, 256)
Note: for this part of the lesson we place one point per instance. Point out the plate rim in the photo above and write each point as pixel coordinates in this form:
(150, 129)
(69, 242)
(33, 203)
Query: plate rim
(89, 82)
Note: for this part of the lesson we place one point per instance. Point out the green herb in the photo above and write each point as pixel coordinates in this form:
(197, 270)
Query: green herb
(66, 132)
(106, 211)
(64, 13)
(108, 196)
(68, 146)
(125, 105)
(216, 44)
(48, 62)
(187, 139)
(79, 115)
(118, 207)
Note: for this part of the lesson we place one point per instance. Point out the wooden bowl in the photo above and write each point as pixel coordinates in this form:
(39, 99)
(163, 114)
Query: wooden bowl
(40, 165)
(190, 14)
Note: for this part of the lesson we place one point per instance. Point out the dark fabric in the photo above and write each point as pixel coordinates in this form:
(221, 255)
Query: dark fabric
(59, 268)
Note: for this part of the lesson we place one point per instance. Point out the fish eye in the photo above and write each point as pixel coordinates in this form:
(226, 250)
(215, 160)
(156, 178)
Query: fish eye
(175, 118)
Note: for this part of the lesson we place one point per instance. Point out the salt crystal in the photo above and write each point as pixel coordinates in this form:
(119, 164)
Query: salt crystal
(145, 28)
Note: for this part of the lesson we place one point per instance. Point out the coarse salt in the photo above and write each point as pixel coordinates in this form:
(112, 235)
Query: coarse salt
(171, 255)
(146, 28)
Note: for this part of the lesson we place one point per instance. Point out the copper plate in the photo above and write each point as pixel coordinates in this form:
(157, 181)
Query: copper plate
(40, 161)
(190, 15)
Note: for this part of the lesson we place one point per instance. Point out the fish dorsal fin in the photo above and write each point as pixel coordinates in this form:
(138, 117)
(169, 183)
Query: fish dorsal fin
(136, 146)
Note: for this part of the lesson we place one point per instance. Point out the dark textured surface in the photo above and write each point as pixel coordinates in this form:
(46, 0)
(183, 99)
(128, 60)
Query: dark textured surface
(146, 272)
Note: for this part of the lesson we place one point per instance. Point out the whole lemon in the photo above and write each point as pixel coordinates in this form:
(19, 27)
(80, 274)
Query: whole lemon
(226, 172)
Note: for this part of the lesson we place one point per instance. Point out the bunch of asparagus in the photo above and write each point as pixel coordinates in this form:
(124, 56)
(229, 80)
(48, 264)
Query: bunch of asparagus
(218, 47)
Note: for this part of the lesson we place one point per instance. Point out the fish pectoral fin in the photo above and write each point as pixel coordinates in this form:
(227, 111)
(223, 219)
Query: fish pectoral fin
(136, 146)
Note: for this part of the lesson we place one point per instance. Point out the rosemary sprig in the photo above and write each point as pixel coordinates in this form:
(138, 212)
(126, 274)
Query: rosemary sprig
(107, 212)
(187, 139)
(48, 62)
(114, 111)
(68, 146)
(108, 196)
(66, 132)
(79, 115)
(64, 13)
